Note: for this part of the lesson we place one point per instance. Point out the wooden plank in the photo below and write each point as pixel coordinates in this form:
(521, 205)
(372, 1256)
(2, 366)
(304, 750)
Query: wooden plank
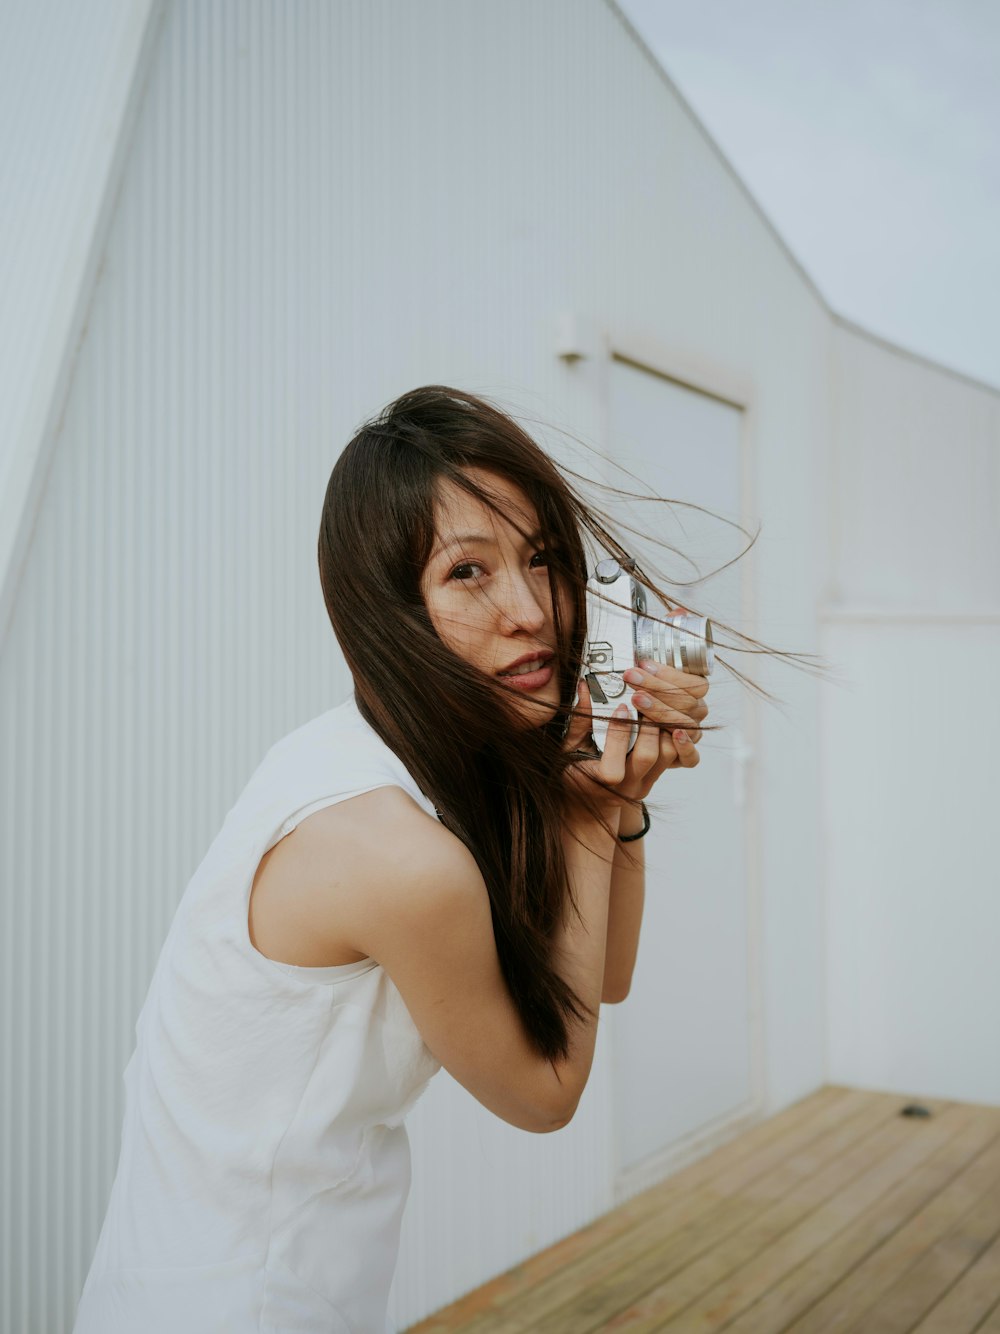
(991, 1325)
(578, 1297)
(884, 1246)
(680, 1245)
(956, 1282)
(838, 1214)
(804, 1206)
(794, 1125)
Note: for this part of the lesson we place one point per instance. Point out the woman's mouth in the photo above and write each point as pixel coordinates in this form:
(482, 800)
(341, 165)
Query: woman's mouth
(529, 675)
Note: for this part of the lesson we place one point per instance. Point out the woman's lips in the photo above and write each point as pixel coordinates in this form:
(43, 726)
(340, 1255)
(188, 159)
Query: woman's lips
(530, 680)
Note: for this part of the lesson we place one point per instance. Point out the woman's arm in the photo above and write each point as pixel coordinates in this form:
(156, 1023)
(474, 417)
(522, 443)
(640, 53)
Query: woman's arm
(670, 691)
(596, 955)
(625, 903)
(580, 941)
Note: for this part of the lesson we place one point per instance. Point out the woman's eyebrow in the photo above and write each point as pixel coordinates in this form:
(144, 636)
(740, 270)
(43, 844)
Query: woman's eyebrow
(483, 538)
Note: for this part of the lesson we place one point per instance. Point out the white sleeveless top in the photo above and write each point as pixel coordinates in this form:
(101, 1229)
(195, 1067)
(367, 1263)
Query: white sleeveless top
(264, 1161)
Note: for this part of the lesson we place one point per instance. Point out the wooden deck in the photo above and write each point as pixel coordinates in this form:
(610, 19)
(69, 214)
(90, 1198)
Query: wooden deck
(837, 1214)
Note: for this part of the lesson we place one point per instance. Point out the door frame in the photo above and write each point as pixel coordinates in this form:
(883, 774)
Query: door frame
(713, 380)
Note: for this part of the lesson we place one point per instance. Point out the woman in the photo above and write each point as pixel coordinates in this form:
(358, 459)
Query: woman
(436, 872)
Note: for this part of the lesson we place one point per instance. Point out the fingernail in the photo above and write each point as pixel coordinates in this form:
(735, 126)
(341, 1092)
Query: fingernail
(641, 701)
(621, 711)
(633, 676)
(681, 737)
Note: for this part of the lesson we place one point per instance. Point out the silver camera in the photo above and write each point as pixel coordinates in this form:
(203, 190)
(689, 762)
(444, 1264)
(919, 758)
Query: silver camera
(621, 634)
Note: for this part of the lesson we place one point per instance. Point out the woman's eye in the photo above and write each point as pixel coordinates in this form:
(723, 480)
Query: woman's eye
(459, 572)
(469, 570)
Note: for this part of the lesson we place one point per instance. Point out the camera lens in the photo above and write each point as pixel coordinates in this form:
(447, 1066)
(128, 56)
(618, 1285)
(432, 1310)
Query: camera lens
(685, 642)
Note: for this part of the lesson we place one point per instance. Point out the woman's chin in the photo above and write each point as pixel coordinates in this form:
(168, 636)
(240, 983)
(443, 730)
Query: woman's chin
(534, 711)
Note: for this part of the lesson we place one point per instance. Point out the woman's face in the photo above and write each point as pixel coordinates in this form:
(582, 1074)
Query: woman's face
(487, 591)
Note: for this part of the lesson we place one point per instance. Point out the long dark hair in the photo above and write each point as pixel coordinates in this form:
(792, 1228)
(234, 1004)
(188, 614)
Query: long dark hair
(497, 785)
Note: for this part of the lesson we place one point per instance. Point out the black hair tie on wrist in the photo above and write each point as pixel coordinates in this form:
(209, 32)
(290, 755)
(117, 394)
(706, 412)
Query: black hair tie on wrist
(630, 838)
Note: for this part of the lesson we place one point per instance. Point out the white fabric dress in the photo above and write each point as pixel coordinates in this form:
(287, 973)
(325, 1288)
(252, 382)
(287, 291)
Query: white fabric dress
(264, 1161)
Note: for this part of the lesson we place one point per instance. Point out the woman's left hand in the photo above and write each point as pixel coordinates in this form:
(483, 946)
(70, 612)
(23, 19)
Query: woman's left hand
(666, 695)
(674, 697)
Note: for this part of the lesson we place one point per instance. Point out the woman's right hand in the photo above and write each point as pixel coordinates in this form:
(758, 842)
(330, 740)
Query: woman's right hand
(630, 773)
(611, 767)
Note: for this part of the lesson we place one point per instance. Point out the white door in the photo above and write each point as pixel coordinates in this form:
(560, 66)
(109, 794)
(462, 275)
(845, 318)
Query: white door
(681, 1042)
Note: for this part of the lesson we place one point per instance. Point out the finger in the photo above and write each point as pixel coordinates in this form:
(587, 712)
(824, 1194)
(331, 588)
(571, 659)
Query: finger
(653, 708)
(668, 692)
(687, 752)
(582, 721)
(645, 754)
(699, 712)
(671, 708)
(673, 676)
(612, 768)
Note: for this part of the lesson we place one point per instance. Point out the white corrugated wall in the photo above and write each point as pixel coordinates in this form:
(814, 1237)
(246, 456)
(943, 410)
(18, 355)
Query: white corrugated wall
(914, 905)
(323, 205)
(71, 81)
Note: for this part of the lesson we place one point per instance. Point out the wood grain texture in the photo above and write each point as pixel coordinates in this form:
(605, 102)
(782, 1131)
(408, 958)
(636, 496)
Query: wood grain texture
(838, 1214)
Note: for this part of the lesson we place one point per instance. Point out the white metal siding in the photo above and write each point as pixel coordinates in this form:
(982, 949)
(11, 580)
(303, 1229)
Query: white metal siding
(71, 80)
(326, 205)
(910, 786)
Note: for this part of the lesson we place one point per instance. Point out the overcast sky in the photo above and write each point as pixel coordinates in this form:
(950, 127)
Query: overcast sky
(869, 133)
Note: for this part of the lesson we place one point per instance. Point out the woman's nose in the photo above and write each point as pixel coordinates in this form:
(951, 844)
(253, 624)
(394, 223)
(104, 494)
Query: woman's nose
(521, 608)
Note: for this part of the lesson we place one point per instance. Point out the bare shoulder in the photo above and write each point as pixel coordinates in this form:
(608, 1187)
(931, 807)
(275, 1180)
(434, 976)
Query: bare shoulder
(405, 891)
(382, 852)
(381, 828)
(320, 892)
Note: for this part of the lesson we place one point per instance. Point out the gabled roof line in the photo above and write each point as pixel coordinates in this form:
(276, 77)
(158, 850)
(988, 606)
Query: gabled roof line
(713, 145)
(755, 204)
(919, 357)
(115, 114)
